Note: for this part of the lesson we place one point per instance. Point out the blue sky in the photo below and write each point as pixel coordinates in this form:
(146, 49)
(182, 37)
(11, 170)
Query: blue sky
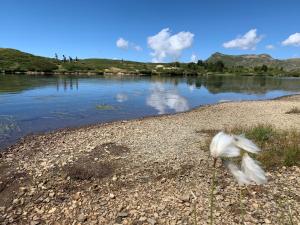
(90, 28)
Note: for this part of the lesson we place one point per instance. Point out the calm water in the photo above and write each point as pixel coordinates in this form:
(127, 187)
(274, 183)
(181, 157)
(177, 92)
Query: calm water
(30, 104)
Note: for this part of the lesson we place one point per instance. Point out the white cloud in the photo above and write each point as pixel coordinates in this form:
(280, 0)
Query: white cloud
(270, 47)
(137, 47)
(245, 42)
(122, 43)
(293, 40)
(194, 58)
(167, 46)
(162, 99)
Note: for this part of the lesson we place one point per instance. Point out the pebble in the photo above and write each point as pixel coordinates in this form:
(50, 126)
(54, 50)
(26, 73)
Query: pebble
(82, 218)
(151, 221)
(111, 196)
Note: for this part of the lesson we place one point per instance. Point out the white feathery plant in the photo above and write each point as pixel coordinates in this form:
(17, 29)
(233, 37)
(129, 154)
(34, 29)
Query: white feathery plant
(230, 146)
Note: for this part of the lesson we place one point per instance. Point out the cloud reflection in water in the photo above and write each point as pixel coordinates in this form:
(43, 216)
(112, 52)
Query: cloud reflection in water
(121, 97)
(162, 99)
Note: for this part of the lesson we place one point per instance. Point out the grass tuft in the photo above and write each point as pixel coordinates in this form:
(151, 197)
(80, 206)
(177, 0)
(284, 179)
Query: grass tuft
(279, 148)
(294, 110)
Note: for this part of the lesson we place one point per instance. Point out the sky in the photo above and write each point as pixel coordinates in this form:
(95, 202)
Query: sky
(156, 30)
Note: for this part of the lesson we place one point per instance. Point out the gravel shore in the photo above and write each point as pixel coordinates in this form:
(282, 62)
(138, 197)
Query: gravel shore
(144, 171)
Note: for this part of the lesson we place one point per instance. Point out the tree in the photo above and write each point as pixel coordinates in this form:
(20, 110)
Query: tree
(216, 67)
(191, 66)
(219, 66)
(64, 58)
(200, 63)
(264, 68)
(70, 59)
(176, 64)
(56, 56)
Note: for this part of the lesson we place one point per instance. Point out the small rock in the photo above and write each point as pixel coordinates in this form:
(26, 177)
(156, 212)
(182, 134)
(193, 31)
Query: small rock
(16, 201)
(120, 217)
(185, 198)
(142, 218)
(82, 218)
(267, 221)
(151, 221)
(122, 214)
(111, 196)
(52, 210)
(219, 197)
(115, 178)
(77, 195)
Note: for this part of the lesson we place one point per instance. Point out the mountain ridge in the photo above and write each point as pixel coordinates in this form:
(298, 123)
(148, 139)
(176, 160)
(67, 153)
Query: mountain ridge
(254, 60)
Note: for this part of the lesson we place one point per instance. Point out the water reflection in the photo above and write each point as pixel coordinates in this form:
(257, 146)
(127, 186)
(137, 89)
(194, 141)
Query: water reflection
(40, 103)
(122, 97)
(214, 84)
(162, 99)
(67, 83)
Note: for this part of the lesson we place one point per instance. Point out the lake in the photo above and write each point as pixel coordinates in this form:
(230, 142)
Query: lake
(33, 104)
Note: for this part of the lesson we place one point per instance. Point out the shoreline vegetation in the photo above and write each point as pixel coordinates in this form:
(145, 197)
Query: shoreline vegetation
(155, 170)
(16, 62)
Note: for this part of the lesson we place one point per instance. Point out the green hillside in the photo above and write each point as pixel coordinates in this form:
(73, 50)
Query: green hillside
(14, 61)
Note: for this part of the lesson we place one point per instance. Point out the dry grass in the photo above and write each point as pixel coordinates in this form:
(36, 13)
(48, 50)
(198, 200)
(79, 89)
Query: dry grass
(294, 110)
(280, 148)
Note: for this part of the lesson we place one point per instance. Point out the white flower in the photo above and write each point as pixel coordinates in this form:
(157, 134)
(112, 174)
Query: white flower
(239, 175)
(246, 144)
(252, 170)
(222, 145)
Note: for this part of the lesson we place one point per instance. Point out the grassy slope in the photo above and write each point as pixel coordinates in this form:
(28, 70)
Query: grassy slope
(12, 60)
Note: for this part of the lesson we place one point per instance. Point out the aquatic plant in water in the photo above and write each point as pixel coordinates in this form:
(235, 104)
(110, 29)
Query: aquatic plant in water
(224, 146)
(7, 125)
(105, 107)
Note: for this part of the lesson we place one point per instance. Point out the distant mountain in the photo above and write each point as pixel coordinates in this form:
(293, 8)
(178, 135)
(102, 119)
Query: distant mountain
(252, 60)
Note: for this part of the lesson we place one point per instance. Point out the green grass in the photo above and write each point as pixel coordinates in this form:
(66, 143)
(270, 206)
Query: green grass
(279, 148)
(12, 60)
